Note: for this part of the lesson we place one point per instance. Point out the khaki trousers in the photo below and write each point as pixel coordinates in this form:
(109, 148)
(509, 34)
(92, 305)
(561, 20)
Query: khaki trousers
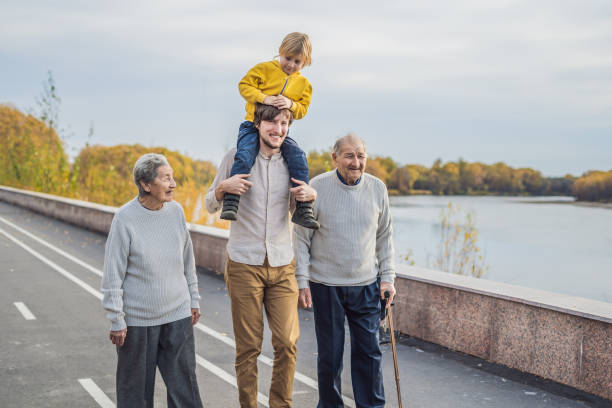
(275, 288)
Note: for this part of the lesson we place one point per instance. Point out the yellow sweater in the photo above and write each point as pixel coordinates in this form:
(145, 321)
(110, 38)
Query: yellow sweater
(268, 78)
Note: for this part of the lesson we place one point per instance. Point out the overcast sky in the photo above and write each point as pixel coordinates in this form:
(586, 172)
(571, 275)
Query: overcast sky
(524, 82)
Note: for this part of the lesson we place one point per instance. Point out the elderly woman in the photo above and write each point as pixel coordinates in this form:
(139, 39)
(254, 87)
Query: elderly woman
(151, 291)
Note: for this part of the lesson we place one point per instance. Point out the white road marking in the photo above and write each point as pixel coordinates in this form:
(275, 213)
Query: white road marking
(227, 377)
(213, 333)
(96, 393)
(54, 266)
(56, 249)
(24, 311)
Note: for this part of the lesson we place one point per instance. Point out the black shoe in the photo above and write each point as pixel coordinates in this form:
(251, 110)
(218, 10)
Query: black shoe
(230, 206)
(304, 216)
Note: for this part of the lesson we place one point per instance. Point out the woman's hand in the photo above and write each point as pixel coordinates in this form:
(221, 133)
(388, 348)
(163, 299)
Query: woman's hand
(195, 316)
(118, 337)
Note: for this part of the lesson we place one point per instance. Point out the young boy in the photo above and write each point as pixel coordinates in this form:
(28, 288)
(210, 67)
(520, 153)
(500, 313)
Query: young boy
(278, 83)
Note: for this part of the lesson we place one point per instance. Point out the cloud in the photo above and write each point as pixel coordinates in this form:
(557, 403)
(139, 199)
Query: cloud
(537, 64)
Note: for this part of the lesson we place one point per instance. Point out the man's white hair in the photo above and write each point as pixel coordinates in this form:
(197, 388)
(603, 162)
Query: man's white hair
(351, 137)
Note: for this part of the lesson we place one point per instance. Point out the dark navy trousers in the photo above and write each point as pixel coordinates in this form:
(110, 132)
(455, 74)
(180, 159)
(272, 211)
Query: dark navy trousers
(361, 307)
(248, 148)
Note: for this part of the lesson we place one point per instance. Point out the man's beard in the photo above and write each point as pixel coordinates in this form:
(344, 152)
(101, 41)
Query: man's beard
(264, 141)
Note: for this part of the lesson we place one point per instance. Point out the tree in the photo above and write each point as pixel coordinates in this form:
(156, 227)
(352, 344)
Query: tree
(32, 155)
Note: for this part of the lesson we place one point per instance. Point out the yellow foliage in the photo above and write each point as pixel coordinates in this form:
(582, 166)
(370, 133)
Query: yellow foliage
(32, 155)
(105, 176)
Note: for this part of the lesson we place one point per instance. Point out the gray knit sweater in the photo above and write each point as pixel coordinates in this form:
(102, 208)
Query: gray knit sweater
(149, 270)
(355, 242)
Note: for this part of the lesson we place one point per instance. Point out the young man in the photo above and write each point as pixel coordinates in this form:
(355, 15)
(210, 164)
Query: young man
(260, 272)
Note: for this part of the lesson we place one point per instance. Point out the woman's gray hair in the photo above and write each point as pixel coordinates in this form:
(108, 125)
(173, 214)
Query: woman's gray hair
(349, 137)
(145, 169)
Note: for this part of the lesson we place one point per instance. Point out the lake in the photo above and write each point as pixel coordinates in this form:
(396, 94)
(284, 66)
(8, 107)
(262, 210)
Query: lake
(539, 242)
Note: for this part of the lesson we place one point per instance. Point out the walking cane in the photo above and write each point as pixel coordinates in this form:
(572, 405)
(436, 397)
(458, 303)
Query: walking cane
(393, 349)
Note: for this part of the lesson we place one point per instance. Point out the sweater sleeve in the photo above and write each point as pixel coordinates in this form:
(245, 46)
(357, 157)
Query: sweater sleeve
(210, 201)
(115, 267)
(190, 271)
(300, 107)
(250, 83)
(385, 252)
(301, 245)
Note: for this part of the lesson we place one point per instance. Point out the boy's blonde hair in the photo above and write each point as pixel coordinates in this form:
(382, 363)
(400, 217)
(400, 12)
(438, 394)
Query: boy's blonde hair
(297, 44)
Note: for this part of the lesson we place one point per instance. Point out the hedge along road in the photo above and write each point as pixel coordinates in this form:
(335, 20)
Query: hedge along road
(63, 356)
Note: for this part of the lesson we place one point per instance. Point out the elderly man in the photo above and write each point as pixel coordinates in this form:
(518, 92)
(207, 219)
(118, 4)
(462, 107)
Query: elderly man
(260, 269)
(151, 291)
(343, 269)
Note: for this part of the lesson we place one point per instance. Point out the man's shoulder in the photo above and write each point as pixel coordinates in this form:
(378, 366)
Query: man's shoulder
(230, 153)
(375, 183)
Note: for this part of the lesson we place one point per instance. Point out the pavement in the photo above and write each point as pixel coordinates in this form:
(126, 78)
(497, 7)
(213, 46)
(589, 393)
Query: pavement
(59, 354)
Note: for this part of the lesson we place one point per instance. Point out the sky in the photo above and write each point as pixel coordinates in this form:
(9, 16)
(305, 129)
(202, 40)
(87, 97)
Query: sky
(528, 83)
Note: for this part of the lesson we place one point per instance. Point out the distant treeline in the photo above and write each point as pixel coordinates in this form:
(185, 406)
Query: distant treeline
(461, 177)
(32, 157)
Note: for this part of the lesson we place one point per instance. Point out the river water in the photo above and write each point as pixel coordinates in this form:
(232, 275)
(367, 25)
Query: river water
(544, 243)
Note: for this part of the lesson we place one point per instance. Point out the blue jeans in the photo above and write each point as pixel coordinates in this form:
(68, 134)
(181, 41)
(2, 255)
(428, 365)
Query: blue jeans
(248, 148)
(361, 306)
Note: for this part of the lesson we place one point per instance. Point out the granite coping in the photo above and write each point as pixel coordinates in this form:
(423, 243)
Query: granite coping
(71, 201)
(582, 307)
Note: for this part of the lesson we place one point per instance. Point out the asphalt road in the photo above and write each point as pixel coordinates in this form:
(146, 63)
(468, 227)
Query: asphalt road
(56, 353)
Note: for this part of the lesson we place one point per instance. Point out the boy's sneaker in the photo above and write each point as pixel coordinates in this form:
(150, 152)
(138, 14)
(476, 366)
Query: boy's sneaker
(230, 206)
(304, 216)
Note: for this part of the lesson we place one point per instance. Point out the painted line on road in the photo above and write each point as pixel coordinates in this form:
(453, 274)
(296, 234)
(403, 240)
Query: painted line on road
(24, 311)
(304, 379)
(53, 247)
(53, 265)
(96, 393)
(227, 377)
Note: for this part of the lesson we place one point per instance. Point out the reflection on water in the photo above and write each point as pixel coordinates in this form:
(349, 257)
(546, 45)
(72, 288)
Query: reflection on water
(539, 242)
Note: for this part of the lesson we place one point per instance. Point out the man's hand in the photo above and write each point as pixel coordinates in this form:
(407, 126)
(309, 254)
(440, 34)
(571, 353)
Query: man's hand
(387, 287)
(195, 316)
(118, 337)
(305, 299)
(303, 192)
(237, 184)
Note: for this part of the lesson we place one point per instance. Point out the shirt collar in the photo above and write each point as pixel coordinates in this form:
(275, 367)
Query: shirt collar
(343, 181)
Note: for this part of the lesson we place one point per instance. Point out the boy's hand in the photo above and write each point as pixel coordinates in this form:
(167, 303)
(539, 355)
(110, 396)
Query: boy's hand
(282, 102)
(303, 192)
(237, 184)
(269, 100)
(278, 101)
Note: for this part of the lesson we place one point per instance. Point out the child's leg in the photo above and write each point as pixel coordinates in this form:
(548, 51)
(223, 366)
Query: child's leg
(298, 169)
(247, 149)
(296, 160)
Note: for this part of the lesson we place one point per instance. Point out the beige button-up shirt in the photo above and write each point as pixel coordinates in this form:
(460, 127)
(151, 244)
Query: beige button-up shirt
(262, 228)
